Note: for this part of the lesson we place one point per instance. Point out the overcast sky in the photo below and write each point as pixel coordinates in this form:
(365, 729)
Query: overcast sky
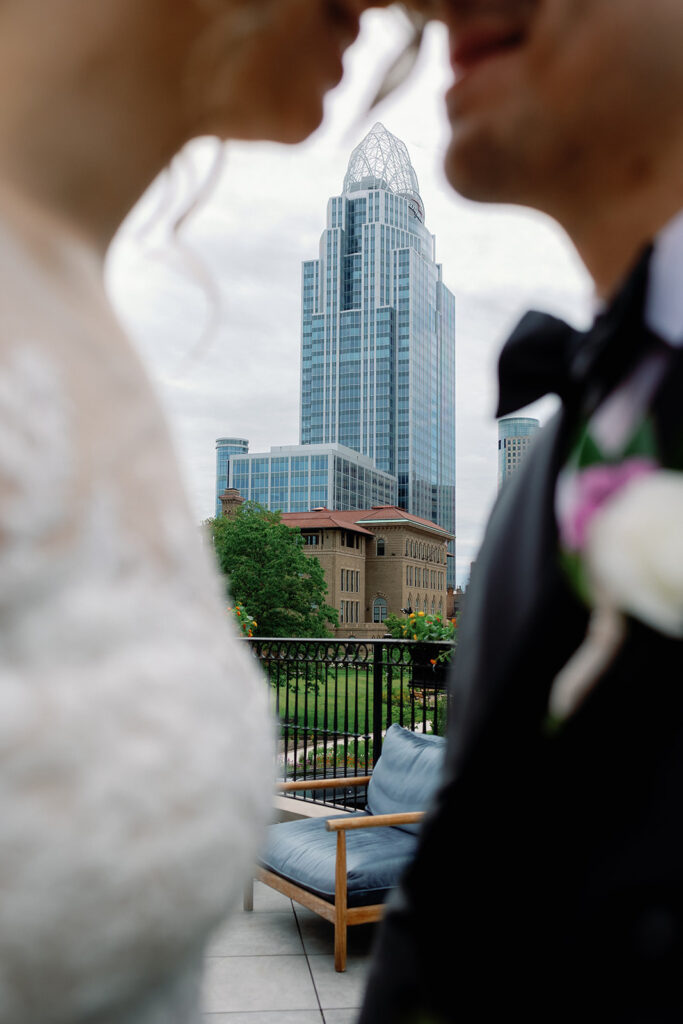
(215, 311)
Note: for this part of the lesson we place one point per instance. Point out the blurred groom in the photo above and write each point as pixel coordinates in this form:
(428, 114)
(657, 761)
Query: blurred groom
(549, 879)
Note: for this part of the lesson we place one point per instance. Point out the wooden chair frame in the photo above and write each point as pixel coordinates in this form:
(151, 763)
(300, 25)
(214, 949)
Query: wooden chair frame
(338, 912)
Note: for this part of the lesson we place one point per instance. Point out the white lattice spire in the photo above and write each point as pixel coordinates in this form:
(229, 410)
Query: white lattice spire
(381, 160)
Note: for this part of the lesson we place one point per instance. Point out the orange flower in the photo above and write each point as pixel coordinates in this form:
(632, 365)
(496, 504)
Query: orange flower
(414, 636)
(238, 611)
(432, 661)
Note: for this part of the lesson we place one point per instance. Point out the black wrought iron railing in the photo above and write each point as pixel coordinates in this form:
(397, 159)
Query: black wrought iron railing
(335, 699)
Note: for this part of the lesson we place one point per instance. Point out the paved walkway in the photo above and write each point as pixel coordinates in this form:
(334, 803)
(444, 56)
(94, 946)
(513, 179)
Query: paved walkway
(275, 965)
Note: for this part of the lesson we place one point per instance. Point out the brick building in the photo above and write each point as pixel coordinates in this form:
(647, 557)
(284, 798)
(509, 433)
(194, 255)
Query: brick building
(377, 562)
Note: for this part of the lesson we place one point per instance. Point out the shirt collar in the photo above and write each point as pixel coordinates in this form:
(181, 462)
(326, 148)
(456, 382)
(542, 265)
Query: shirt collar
(663, 312)
(664, 303)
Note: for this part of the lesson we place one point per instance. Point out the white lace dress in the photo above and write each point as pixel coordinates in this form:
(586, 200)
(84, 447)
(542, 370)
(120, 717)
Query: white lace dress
(136, 755)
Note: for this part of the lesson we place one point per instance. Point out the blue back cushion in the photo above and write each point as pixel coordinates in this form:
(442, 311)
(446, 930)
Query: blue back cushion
(408, 773)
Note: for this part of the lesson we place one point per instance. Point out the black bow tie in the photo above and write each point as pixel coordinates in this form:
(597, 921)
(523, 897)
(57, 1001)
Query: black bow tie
(545, 355)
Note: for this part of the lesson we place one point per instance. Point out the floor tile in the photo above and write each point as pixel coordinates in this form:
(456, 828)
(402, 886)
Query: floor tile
(318, 934)
(266, 898)
(337, 991)
(257, 933)
(243, 983)
(268, 1017)
(340, 1016)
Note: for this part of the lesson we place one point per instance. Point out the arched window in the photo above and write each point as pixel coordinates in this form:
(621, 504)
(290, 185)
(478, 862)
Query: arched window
(407, 547)
(433, 607)
(380, 551)
(379, 609)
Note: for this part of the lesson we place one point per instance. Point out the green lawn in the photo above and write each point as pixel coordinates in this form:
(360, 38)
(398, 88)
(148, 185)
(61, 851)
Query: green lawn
(346, 706)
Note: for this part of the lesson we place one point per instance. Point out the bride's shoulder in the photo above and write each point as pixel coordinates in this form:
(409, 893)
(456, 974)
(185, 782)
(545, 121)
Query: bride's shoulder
(78, 417)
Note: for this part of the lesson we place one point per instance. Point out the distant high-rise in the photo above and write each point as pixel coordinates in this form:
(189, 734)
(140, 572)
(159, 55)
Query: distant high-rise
(225, 447)
(514, 437)
(298, 478)
(378, 333)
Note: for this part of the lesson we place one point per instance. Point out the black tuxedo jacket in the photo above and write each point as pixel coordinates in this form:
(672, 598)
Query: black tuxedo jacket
(549, 877)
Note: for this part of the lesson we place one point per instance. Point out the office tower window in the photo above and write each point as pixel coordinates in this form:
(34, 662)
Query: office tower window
(378, 335)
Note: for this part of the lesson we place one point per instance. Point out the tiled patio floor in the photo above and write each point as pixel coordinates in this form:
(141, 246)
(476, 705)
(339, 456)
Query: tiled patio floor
(275, 965)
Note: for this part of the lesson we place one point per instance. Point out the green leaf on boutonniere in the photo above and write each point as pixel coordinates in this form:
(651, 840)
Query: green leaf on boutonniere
(586, 451)
(643, 441)
(573, 564)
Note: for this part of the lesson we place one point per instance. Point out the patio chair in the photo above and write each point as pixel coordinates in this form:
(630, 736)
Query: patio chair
(343, 867)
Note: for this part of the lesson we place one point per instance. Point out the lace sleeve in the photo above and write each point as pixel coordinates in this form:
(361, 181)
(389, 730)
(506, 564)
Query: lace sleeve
(35, 468)
(136, 753)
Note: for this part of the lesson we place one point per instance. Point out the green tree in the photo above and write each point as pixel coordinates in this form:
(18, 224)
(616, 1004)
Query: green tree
(269, 573)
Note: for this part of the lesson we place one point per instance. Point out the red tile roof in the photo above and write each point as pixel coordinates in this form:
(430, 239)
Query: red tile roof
(353, 520)
(324, 519)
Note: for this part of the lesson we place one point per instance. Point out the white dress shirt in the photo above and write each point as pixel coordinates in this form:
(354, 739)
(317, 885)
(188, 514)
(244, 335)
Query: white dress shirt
(663, 314)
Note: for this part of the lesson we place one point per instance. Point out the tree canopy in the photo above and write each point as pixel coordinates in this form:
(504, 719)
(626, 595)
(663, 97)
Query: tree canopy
(268, 572)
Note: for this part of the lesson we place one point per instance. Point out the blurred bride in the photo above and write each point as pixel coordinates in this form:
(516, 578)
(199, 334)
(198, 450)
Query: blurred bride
(136, 752)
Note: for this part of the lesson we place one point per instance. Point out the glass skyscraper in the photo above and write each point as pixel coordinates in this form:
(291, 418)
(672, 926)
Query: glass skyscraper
(515, 434)
(225, 447)
(298, 478)
(378, 333)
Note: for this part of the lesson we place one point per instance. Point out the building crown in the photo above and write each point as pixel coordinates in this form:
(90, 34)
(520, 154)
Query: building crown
(382, 161)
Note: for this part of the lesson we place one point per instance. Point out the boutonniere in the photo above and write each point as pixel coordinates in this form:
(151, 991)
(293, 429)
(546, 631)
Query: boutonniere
(621, 530)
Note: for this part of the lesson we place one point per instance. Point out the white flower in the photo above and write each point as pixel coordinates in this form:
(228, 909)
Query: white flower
(633, 556)
(634, 551)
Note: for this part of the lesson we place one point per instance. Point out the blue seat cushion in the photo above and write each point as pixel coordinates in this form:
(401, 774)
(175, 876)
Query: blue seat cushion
(304, 852)
(407, 774)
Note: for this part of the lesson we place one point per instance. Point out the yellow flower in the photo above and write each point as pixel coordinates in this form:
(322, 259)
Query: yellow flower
(414, 636)
(254, 622)
(421, 615)
(412, 615)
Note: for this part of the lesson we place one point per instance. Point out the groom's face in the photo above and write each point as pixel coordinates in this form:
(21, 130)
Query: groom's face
(555, 97)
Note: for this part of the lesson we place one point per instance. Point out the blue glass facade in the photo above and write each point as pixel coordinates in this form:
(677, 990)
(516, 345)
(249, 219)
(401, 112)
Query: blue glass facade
(296, 479)
(225, 447)
(515, 434)
(378, 333)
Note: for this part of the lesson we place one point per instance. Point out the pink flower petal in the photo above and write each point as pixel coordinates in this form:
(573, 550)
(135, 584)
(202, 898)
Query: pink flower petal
(590, 488)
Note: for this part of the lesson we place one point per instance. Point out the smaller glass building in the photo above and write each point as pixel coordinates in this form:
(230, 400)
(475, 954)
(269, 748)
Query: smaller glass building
(225, 447)
(297, 478)
(514, 437)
